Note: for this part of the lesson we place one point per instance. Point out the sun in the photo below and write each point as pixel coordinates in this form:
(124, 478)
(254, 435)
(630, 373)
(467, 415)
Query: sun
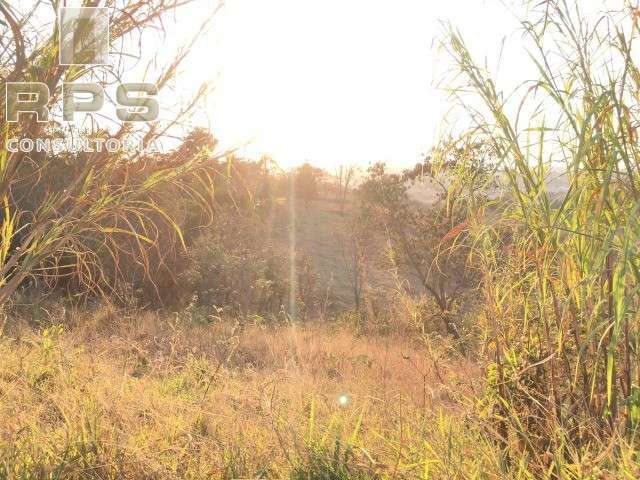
(332, 82)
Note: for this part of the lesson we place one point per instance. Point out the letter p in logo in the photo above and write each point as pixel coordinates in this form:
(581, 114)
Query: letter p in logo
(70, 105)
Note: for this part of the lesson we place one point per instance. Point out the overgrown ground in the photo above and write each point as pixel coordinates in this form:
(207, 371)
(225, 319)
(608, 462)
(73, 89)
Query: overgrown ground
(324, 234)
(517, 356)
(108, 395)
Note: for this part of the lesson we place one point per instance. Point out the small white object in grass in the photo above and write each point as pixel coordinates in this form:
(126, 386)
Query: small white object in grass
(343, 400)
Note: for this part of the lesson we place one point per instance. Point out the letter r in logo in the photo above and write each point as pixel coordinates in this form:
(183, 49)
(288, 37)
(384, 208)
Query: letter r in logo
(26, 97)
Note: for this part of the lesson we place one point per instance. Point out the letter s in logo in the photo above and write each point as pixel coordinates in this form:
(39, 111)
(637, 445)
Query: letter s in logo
(150, 105)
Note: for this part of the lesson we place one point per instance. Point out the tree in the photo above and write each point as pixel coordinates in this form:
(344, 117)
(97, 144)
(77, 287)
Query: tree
(307, 182)
(345, 175)
(427, 240)
(77, 220)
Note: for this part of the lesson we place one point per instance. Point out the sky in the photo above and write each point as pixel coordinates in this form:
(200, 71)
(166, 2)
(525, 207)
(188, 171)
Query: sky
(335, 82)
(338, 82)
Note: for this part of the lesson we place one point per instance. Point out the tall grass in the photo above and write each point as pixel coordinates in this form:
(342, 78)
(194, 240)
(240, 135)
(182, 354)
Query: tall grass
(100, 394)
(79, 215)
(561, 271)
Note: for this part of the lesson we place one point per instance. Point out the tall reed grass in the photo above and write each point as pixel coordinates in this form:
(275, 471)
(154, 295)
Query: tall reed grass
(561, 269)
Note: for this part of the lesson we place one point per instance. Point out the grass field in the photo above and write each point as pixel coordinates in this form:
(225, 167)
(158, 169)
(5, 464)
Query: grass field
(202, 313)
(324, 235)
(105, 395)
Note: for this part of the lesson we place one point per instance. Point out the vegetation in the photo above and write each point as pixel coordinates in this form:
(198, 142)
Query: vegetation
(429, 241)
(185, 315)
(561, 274)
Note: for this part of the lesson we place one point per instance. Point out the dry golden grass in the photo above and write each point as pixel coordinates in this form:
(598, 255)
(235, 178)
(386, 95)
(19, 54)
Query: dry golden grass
(110, 396)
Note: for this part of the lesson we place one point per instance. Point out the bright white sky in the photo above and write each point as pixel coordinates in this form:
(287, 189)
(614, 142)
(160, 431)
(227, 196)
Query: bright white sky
(338, 81)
